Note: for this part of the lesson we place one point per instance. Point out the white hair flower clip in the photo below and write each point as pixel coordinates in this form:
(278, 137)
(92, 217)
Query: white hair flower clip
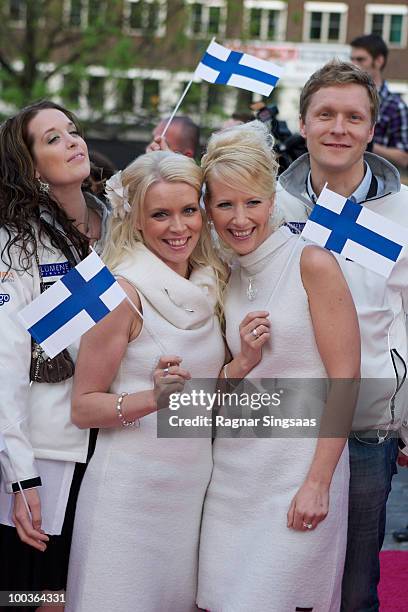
(117, 195)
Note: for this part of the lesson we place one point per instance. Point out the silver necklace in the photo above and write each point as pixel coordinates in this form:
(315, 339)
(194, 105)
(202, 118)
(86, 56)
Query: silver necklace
(251, 291)
(186, 308)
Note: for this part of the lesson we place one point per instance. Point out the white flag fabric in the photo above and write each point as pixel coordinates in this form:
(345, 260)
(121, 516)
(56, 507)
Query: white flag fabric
(64, 312)
(355, 232)
(226, 67)
(2, 443)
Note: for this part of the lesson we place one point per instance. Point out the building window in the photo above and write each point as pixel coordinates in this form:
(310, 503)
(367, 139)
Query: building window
(125, 95)
(150, 97)
(207, 18)
(334, 26)
(83, 13)
(325, 22)
(214, 19)
(265, 20)
(137, 94)
(96, 11)
(17, 11)
(145, 16)
(388, 21)
(96, 93)
(74, 13)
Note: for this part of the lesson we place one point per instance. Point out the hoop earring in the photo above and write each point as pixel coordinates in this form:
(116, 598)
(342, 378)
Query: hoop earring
(43, 187)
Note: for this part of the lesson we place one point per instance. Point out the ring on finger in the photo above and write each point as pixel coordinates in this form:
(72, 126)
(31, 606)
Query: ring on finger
(165, 371)
(254, 332)
(307, 525)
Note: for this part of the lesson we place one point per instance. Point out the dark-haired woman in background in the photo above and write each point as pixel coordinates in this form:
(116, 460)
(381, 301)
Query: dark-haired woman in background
(46, 226)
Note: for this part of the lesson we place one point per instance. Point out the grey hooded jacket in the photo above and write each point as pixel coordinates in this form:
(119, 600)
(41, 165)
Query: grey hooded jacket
(381, 304)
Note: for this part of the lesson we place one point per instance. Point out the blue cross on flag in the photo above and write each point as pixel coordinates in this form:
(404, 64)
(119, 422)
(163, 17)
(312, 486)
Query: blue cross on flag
(64, 312)
(226, 67)
(355, 232)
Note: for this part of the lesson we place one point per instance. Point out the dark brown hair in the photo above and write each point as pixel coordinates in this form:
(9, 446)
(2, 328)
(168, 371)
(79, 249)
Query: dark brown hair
(373, 44)
(20, 196)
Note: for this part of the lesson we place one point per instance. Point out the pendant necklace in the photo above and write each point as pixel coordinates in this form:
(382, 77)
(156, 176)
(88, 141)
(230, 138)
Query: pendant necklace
(251, 290)
(186, 308)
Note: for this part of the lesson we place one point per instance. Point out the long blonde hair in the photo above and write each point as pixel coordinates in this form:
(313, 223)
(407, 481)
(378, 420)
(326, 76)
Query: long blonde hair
(137, 178)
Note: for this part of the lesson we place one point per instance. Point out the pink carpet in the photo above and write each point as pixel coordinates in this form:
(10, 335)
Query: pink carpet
(393, 589)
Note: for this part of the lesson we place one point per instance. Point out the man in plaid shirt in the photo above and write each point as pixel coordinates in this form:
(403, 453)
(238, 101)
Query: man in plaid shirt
(391, 132)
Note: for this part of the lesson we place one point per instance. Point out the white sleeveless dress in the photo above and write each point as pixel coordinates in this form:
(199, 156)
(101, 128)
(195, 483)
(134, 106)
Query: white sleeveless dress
(249, 560)
(135, 542)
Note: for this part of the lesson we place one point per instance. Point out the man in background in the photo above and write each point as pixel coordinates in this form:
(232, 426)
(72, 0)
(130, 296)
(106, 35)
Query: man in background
(182, 136)
(390, 140)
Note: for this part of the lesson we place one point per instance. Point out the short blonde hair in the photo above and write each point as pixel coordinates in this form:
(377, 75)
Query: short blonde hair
(147, 170)
(336, 74)
(242, 157)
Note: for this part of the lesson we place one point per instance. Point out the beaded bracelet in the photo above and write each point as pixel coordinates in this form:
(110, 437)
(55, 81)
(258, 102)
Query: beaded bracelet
(125, 423)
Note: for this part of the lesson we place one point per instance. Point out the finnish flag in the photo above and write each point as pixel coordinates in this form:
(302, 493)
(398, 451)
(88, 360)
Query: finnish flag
(226, 67)
(64, 312)
(355, 232)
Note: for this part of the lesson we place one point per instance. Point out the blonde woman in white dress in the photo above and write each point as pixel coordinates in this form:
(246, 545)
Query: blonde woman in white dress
(275, 517)
(135, 543)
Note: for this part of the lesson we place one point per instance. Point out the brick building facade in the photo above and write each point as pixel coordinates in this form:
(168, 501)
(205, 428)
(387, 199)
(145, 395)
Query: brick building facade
(169, 37)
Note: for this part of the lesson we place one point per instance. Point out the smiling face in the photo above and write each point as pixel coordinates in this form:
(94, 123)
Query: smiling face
(240, 218)
(338, 127)
(171, 223)
(60, 154)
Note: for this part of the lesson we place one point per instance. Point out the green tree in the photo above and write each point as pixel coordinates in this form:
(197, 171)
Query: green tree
(38, 41)
(42, 38)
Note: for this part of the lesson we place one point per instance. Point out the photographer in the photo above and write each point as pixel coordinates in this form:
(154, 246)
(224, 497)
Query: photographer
(288, 146)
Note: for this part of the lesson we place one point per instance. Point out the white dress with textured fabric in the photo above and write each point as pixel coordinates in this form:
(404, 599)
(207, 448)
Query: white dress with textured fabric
(249, 560)
(135, 543)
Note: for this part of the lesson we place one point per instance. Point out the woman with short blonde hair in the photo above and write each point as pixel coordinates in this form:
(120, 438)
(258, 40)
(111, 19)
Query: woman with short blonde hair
(270, 539)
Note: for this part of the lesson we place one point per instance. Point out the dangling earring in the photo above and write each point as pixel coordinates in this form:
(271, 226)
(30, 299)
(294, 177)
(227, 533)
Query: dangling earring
(43, 187)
